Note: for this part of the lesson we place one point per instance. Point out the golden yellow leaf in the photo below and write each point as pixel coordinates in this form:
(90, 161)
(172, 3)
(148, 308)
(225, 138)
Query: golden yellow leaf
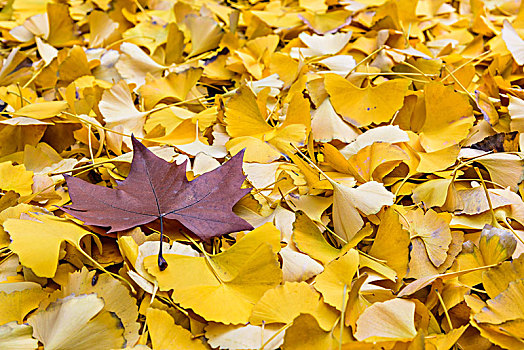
(308, 239)
(335, 282)
(234, 280)
(43, 110)
(16, 305)
(174, 86)
(77, 323)
(497, 279)
(365, 106)
(166, 335)
(384, 321)
(368, 198)
(305, 334)
(38, 241)
(449, 116)
(15, 336)
(434, 231)
(16, 178)
(392, 243)
(116, 296)
(283, 303)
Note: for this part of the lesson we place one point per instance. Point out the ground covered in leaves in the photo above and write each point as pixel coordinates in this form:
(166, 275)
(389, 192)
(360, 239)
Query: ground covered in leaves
(375, 201)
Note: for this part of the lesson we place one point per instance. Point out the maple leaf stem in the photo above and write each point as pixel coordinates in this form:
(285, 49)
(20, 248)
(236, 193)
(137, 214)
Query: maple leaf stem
(162, 263)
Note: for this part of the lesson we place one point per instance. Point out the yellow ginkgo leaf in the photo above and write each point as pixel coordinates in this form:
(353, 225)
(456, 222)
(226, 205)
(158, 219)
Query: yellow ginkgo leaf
(166, 335)
(16, 305)
(243, 116)
(506, 306)
(514, 42)
(308, 239)
(392, 320)
(77, 323)
(150, 33)
(42, 110)
(205, 33)
(368, 198)
(221, 336)
(377, 160)
(103, 30)
(364, 106)
(173, 86)
(16, 178)
(449, 116)
(306, 334)
(434, 231)
(495, 245)
(234, 279)
(120, 114)
(14, 213)
(283, 303)
(327, 125)
(249, 129)
(134, 64)
(37, 241)
(15, 336)
(391, 243)
(497, 279)
(504, 169)
(335, 282)
(116, 297)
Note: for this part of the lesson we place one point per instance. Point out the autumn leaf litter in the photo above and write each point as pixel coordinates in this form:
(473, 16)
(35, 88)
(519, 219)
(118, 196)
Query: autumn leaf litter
(317, 175)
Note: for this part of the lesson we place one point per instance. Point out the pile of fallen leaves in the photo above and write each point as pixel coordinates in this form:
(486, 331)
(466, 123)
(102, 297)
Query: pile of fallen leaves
(307, 174)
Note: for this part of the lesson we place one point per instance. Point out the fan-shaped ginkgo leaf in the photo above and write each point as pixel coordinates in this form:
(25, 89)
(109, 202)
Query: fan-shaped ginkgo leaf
(77, 323)
(37, 241)
(392, 320)
(167, 335)
(15, 336)
(234, 279)
(365, 106)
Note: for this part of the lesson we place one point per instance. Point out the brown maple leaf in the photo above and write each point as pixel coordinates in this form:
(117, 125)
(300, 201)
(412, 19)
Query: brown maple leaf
(156, 189)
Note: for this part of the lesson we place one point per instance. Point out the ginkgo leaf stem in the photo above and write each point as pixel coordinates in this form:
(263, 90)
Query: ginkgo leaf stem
(283, 328)
(342, 316)
(461, 86)
(364, 60)
(450, 324)
(333, 233)
(480, 58)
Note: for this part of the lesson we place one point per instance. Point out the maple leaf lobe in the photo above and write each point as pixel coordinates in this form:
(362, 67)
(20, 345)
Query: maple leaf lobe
(156, 188)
